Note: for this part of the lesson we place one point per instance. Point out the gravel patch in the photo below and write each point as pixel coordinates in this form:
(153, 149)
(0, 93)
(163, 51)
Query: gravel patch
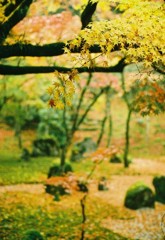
(147, 224)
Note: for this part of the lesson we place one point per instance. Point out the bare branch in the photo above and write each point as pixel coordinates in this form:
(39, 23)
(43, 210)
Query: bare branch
(16, 16)
(86, 16)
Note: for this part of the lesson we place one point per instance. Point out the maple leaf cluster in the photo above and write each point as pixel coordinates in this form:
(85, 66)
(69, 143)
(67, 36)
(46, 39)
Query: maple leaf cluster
(62, 89)
(104, 154)
(131, 33)
(150, 98)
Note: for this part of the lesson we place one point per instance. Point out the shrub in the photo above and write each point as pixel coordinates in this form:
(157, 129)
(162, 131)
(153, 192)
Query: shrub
(56, 170)
(25, 155)
(32, 235)
(44, 147)
(115, 159)
(61, 185)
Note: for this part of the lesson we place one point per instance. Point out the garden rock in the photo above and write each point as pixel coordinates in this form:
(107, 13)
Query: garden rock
(102, 185)
(139, 196)
(86, 146)
(159, 184)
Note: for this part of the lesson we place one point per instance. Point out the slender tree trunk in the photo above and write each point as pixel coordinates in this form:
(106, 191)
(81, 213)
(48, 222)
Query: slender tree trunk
(101, 130)
(18, 135)
(84, 217)
(20, 141)
(127, 139)
(63, 158)
(109, 117)
(109, 130)
(74, 126)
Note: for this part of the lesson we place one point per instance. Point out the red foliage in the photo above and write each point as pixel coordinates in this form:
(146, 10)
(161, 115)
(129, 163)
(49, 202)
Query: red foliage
(51, 103)
(47, 29)
(69, 182)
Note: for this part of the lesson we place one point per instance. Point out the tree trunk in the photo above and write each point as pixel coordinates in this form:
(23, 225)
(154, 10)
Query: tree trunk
(110, 124)
(101, 131)
(19, 140)
(109, 116)
(18, 135)
(62, 158)
(127, 139)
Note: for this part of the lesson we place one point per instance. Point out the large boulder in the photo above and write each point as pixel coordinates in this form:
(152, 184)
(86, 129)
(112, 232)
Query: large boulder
(139, 196)
(159, 184)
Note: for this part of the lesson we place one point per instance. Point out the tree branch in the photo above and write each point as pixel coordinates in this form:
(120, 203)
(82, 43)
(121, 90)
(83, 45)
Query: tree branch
(17, 70)
(16, 16)
(159, 68)
(47, 50)
(86, 16)
(11, 6)
(80, 102)
(89, 107)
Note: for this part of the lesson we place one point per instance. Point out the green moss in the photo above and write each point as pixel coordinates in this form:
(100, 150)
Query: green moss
(138, 196)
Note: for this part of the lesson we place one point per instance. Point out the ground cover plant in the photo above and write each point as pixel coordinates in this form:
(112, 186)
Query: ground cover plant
(51, 44)
(21, 212)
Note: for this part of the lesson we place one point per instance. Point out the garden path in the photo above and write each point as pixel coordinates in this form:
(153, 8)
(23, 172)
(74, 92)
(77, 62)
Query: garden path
(143, 224)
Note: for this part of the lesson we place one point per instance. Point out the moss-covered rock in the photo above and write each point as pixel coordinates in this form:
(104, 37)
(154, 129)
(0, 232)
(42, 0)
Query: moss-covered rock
(159, 184)
(139, 196)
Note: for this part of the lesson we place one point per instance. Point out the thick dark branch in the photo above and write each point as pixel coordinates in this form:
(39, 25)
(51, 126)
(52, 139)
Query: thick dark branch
(159, 68)
(16, 16)
(86, 16)
(11, 6)
(47, 50)
(16, 70)
(50, 50)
